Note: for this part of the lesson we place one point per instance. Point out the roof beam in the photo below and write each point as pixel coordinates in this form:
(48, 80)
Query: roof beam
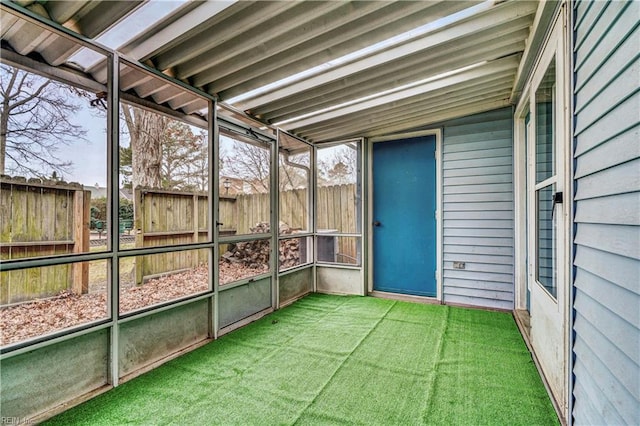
(500, 14)
(423, 107)
(97, 17)
(441, 116)
(422, 115)
(170, 34)
(415, 89)
(379, 82)
(376, 27)
(544, 14)
(62, 75)
(474, 91)
(260, 32)
(417, 123)
(224, 60)
(176, 31)
(490, 44)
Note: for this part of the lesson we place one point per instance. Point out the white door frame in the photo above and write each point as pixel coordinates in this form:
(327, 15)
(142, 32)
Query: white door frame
(550, 317)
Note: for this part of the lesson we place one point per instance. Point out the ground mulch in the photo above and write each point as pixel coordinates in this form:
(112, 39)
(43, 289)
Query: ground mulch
(67, 309)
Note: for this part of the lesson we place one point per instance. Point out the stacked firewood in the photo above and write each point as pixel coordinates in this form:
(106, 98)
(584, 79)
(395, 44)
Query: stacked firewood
(255, 254)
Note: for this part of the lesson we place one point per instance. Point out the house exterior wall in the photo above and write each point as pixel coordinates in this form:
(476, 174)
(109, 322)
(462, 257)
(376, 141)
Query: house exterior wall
(607, 213)
(478, 217)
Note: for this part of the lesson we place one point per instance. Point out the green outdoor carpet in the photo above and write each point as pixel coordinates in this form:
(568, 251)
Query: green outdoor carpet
(341, 360)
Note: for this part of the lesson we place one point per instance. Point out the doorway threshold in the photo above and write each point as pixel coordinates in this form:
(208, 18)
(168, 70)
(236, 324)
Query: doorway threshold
(404, 297)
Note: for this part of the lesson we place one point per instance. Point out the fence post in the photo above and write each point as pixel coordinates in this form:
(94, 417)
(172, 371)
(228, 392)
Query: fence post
(138, 220)
(81, 218)
(195, 257)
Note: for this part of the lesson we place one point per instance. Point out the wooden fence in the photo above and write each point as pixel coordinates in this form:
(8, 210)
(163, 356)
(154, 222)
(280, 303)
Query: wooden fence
(50, 219)
(39, 219)
(164, 217)
(336, 209)
(173, 217)
(337, 212)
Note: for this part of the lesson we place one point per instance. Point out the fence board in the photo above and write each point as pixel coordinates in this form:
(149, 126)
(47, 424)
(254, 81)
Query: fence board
(42, 220)
(170, 218)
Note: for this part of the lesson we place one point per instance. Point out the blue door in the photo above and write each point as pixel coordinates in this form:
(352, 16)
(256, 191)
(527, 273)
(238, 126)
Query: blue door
(404, 223)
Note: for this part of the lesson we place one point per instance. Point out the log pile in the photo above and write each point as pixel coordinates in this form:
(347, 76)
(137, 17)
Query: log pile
(255, 254)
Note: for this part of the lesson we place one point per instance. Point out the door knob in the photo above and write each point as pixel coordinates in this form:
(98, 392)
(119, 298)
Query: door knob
(376, 223)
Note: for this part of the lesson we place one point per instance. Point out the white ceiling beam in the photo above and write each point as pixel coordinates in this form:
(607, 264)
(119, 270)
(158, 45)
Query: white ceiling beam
(262, 33)
(25, 37)
(182, 100)
(429, 65)
(311, 24)
(150, 87)
(434, 101)
(358, 128)
(414, 90)
(141, 48)
(130, 78)
(7, 21)
(498, 15)
(166, 94)
(447, 99)
(199, 105)
(176, 30)
(419, 109)
(494, 43)
(416, 123)
(441, 116)
(388, 23)
(63, 10)
(57, 50)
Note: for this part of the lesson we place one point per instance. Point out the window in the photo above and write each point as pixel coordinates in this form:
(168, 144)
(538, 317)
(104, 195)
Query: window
(54, 202)
(338, 204)
(244, 204)
(546, 179)
(294, 171)
(244, 182)
(149, 280)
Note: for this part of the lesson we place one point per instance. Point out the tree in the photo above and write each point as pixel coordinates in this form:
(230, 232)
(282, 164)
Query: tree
(184, 158)
(177, 156)
(34, 120)
(337, 165)
(250, 163)
(146, 130)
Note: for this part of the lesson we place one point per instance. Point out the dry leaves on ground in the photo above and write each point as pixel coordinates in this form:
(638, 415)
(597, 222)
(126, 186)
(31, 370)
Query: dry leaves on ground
(40, 317)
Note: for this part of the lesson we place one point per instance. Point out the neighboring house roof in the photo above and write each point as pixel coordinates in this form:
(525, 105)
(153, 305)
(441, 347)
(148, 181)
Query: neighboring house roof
(101, 192)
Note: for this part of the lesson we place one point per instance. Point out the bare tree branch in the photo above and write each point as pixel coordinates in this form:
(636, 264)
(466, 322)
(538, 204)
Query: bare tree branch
(35, 119)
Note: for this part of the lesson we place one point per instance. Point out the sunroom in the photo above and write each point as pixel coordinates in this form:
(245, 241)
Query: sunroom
(235, 178)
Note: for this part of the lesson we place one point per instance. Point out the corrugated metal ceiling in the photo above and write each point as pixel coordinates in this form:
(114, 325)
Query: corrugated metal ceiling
(321, 69)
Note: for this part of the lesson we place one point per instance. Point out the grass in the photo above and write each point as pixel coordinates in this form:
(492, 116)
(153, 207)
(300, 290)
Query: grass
(98, 268)
(341, 360)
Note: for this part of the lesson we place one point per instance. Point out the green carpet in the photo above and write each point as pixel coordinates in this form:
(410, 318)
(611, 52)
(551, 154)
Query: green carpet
(341, 360)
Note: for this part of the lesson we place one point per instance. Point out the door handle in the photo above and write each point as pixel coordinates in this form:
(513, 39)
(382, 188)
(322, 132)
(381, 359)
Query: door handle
(557, 199)
(219, 223)
(376, 223)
